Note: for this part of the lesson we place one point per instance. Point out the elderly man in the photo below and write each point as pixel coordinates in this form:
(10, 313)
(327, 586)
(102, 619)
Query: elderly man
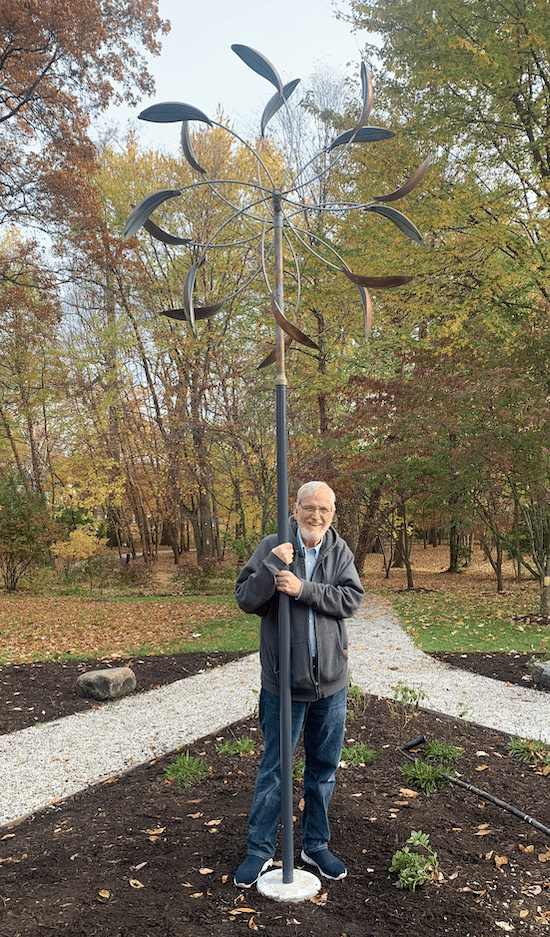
(317, 571)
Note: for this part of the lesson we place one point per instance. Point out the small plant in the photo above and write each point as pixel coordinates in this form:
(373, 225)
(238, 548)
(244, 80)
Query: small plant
(358, 701)
(358, 754)
(185, 769)
(408, 699)
(242, 747)
(426, 777)
(298, 768)
(442, 752)
(462, 715)
(529, 750)
(414, 868)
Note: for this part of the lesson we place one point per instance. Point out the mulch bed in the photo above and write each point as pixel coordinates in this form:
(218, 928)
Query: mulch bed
(143, 856)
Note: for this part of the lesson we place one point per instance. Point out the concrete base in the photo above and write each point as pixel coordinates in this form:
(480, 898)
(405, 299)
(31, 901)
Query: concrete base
(304, 886)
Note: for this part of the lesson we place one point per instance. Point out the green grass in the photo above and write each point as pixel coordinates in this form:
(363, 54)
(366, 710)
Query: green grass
(240, 632)
(456, 622)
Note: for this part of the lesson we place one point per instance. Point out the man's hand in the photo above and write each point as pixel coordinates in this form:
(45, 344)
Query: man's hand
(289, 583)
(285, 552)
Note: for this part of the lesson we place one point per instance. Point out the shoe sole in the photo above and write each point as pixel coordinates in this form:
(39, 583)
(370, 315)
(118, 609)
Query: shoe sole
(334, 878)
(264, 868)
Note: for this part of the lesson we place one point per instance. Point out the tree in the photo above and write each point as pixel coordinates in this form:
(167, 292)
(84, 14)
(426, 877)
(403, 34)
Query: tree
(26, 530)
(61, 63)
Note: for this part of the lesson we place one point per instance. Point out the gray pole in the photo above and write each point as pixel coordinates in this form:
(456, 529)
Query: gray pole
(285, 697)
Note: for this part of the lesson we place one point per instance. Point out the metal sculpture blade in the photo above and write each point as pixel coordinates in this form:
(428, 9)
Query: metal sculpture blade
(145, 208)
(187, 148)
(201, 312)
(171, 112)
(258, 63)
(368, 96)
(408, 186)
(187, 295)
(276, 102)
(272, 356)
(363, 135)
(289, 328)
(377, 283)
(163, 236)
(367, 309)
(399, 219)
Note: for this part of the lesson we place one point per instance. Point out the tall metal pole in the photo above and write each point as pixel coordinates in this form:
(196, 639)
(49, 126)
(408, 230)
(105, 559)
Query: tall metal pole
(285, 696)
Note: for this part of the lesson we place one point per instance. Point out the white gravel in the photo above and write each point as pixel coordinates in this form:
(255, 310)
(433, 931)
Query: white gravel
(47, 763)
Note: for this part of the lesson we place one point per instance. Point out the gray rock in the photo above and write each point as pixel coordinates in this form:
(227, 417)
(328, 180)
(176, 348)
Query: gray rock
(111, 683)
(541, 671)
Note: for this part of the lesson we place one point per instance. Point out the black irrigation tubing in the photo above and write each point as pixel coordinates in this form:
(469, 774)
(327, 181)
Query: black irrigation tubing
(479, 793)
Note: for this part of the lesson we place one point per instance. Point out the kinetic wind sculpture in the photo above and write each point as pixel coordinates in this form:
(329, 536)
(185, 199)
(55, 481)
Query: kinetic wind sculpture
(273, 210)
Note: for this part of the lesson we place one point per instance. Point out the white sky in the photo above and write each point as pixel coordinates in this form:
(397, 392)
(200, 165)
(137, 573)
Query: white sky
(197, 65)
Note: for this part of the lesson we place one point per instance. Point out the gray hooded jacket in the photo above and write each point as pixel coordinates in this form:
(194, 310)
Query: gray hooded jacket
(334, 594)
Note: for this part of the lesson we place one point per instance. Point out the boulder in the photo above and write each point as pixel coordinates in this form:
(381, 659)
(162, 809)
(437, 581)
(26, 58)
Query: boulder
(541, 672)
(108, 684)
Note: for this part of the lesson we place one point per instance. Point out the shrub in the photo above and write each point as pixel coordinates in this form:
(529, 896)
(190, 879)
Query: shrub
(27, 530)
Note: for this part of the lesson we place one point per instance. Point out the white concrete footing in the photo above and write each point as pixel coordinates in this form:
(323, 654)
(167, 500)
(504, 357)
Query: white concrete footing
(304, 886)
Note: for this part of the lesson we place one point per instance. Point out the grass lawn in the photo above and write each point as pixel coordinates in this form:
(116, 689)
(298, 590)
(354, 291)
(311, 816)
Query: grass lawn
(444, 613)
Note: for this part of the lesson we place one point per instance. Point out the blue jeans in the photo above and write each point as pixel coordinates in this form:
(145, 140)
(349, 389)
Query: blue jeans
(323, 722)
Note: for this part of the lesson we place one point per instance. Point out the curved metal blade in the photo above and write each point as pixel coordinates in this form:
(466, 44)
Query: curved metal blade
(277, 101)
(201, 312)
(289, 328)
(363, 135)
(377, 283)
(163, 236)
(272, 356)
(145, 208)
(187, 294)
(187, 148)
(205, 312)
(170, 112)
(368, 96)
(258, 63)
(367, 309)
(399, 219)
(408, 186)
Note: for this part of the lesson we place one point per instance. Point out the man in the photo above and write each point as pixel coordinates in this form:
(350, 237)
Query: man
(317, 571)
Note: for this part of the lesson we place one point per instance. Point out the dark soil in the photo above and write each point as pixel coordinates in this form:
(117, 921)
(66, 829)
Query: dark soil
(142, 856)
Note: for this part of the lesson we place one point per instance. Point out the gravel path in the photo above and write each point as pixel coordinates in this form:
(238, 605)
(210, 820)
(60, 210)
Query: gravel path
(47, 763)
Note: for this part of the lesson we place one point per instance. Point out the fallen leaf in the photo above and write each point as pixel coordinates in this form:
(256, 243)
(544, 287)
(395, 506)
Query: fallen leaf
(544, 856)
(134, 883)
(504, 925)
(531, 890)
(500, 861)
(104, 895)
(406, 792)
(195, 816)
(482, 767)
(529, 849)
(213, 822)
(157, 832)
(197, 894)
(320, 899)
(252, 925)
(205, 871)
(524, 913)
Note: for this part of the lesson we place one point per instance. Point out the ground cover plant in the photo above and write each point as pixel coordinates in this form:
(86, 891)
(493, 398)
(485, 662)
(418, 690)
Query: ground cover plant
(146, 855)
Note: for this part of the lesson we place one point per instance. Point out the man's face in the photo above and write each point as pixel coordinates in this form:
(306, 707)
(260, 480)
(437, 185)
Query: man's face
(314, 515)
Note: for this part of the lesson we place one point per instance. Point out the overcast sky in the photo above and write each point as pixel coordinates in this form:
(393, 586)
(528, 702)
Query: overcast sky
(197, 65)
